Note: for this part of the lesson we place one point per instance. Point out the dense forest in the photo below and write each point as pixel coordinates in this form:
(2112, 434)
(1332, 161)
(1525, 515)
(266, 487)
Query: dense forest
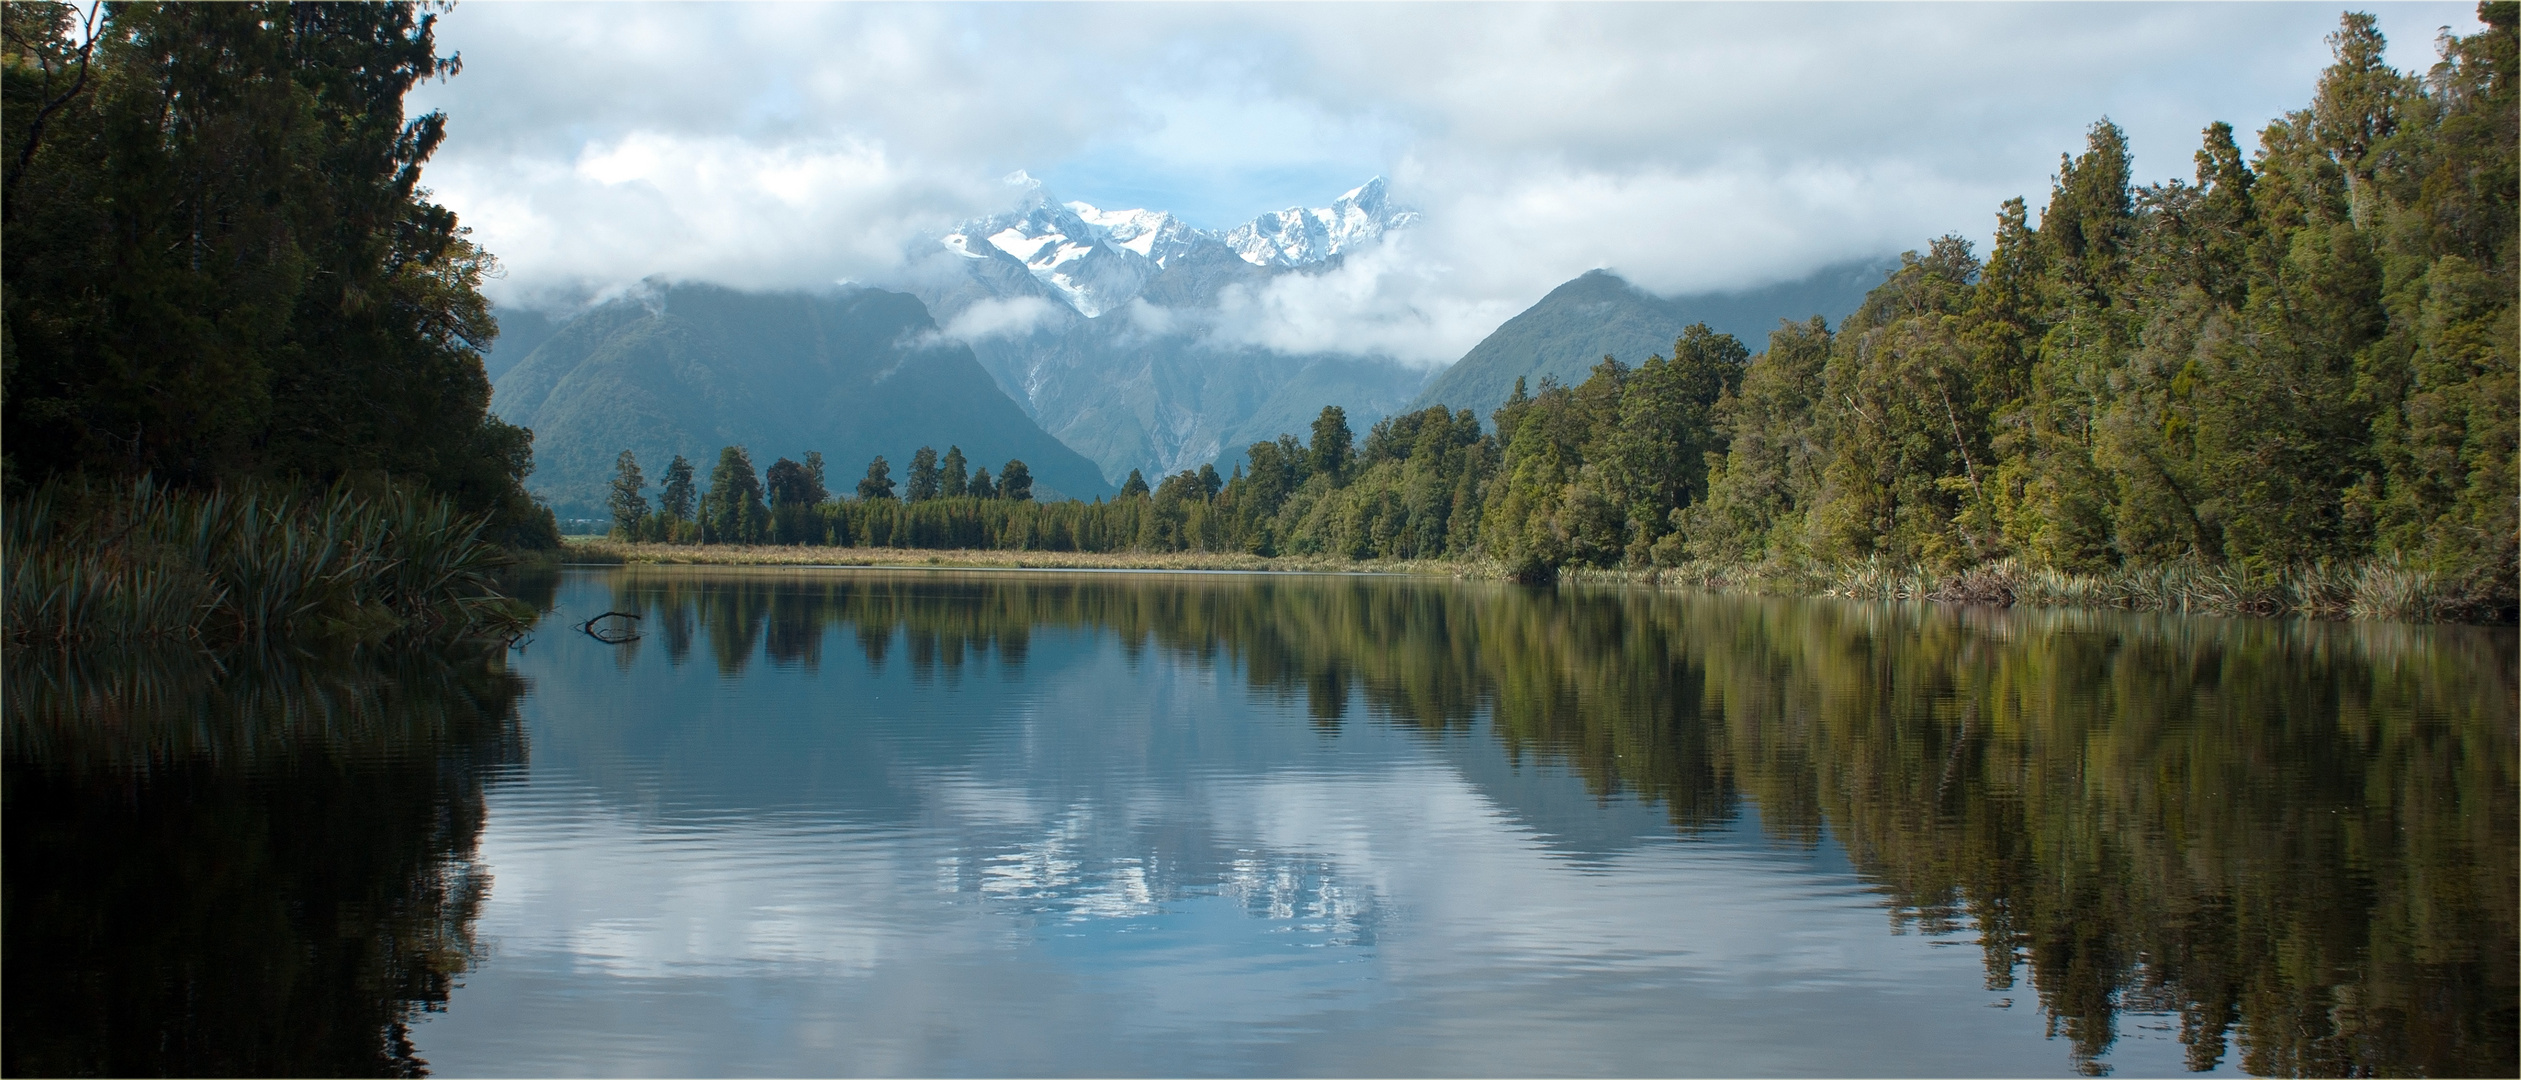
(224, 277)
(221, 263)
(2290, 383)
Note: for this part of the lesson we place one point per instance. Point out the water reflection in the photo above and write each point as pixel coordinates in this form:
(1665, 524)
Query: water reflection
(940, 823)
(2298, 838)
(259, 866)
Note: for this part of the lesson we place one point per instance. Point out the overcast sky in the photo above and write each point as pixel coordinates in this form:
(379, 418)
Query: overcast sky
(1687, 146)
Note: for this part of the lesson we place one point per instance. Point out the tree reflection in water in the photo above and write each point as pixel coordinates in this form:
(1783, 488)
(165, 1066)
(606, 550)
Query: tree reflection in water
(258, 868)
(2297, 837)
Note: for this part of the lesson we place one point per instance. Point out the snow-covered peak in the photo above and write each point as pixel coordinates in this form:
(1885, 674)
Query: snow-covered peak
(1098, 259)
(1078, 259)
(1299, 236)
(1151, 233)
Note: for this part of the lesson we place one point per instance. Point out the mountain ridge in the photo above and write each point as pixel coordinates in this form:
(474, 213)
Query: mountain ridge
(1100, 323)
(1565, 333)
(691, 368)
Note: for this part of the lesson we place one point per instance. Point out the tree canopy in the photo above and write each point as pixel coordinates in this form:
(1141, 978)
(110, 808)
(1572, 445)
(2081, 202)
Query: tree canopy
(222, 264)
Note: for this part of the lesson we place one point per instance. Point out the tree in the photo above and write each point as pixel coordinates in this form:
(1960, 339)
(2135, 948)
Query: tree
(221, 263)
(879, 481)
(1180, 487)
(925, 481)
(628, 505)
(1135, 486)
(957, 482)
(675, 500)
(791, 485)
(732, 512)
(1015, 481)
(982, 487)
(814, 471)
(1209, 482)
(1333, 444)
(794, 493)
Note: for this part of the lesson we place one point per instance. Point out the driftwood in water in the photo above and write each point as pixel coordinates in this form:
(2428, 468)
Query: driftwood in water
(610, 635)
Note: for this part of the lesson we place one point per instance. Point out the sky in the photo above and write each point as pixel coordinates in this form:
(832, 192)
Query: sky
(1690, 147)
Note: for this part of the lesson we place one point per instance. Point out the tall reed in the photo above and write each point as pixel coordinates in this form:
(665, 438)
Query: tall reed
(111, 563)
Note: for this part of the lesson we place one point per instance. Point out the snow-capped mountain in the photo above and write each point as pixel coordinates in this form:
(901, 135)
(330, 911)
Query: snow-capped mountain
(1094, 264)
(1098, 323)
(1154, 234)
(1097, 260)
(1297, 236)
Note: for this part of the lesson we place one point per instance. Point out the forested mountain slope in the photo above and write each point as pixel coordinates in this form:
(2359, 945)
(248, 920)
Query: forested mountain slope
(1601, 314)
(689, 369)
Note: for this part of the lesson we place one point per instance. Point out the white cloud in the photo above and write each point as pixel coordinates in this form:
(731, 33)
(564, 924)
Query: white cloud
(1014, 316)
(1690, 147)
(696, 207)
(1387, 300)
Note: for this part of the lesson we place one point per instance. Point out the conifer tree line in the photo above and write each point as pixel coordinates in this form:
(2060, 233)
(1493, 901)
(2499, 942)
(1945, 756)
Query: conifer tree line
(222, 268)
(789, 502)
(2303, 358)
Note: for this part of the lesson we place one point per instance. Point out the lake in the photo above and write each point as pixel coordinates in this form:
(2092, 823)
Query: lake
(900, 822)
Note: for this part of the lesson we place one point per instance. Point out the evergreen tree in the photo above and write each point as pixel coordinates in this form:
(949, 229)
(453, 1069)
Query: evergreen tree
(221, 264)
(814, 472)
(925, 481)
(1135, 486)
(732, 512)
(1759, 491)
(792, 485)
(628, 505)
(955, 481)
(676, 499)
(794, 493)
(1015, 481)
(1332, 445)
(982, 487)
(879, 480)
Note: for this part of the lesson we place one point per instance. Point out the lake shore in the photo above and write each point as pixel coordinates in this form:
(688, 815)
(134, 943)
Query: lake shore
(2370, 590)
(602, 551)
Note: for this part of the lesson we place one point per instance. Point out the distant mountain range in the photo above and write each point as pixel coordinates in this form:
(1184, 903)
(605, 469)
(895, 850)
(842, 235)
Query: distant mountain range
(1601, 314)
(688, 369)
(1085, 341)
(1101, 323)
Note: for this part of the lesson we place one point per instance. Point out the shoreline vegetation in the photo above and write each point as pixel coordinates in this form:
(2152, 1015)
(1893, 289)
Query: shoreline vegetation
(2287, 388)
(2369, 590)
(242, 384)
(141, 564)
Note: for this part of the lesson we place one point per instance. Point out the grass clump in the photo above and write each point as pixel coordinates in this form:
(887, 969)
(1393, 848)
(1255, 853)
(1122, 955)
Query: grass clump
(135, 562)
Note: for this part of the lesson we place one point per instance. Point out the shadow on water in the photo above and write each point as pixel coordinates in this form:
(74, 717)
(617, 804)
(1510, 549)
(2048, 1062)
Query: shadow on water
(2297, 837)
(257, 866)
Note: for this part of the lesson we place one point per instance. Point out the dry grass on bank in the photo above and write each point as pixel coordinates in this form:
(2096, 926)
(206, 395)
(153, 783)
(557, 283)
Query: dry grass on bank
(2370, 589)
(600, 550)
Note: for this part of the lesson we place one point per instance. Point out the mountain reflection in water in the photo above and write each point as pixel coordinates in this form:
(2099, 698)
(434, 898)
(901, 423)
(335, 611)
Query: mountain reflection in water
(2290, 847)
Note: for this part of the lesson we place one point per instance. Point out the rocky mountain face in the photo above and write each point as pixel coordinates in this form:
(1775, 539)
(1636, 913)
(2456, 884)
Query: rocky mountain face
(1100, 322)
(688, 369)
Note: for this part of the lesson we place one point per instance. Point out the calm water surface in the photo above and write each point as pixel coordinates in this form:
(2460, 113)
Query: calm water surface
(950, 823)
